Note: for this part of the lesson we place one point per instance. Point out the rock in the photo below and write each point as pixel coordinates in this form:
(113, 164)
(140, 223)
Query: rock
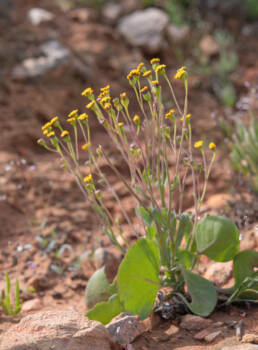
(111, 12)
(250, 338)
(219, 272)
(200, 335)
(211, 336)
(102, 257)
(209, 46)
(32, 305)
(41, 282)
(177, 34)
(240, 347)
(54, 54)
(124, 328)
(194, 323)
(145, 29)
(57, 330)
(38, 15)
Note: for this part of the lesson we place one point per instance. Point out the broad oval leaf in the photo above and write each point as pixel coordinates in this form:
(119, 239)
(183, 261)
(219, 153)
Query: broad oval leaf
(138, 278)
(185, 258)
(202, 292)
(105, 311)
(218, 238)
(243, 266)
(98, 289)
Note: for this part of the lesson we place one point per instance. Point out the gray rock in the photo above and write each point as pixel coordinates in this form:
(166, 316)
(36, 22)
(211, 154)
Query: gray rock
(145, 29)
(240, 347)
(54, 54)
(37, 15)
(111, 12)
(177, 34)
(56, 330)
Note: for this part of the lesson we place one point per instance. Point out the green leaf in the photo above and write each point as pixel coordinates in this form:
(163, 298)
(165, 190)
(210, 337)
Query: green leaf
(105, 311)
(138, 278)
(185, 228)
(18, 304)
(218, 238)
(202, 292)
(185, 258)
(143, 213)
(151, 232)
(243, 266)
(98, 289)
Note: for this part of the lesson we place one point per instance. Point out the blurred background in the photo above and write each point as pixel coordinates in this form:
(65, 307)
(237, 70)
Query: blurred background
(51, 50)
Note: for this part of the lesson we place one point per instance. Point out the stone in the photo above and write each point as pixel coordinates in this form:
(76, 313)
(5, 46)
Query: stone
(124, 328)
(250, 338)
(209, 46)
(31, 305)
(219, 272)
(111, 12)
(211, 336)
(240, 347)
(145, 29)
(177, 34)
(203, 333)
(38, 15)
(54, 54)
(194, 323)
(41, 282)
(57, 330)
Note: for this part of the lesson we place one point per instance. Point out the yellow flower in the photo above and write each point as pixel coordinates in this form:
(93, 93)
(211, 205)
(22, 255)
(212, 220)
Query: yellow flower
(103, 94)
(105, 99)
(73, 113)
(155, 82)
(87, 92)
(107, 106)
(91, 104)
(121, 124)
(53, 120)
(212, 145)
(154, 60)
(65, 133)
(198, 144)
(169, 114)
(140, 65)
(105, 88)
(187, 116)
(83, 116)
(144, 89)
(133, 73)
(51, 134)
(123, 95)
(45, 132)
(160, 68)
(85, 146)
(147, 74)
(88, 178)
(71, 120)
(46, 126)
(136, 118)
(180, 73)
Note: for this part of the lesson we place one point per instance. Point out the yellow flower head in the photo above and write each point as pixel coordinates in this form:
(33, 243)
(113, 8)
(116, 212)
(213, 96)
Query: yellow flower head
(169, 114)
(46, 126)
(53, 120)
(160, 68)
(73, 113)
(147, 74)
(91, 104)
(103, 94)
(154, 60)
(123, 95)
(88, 178)
(107, 106)
(83, 116)
(51, 134)
(155, 82)
(136, 118)
(212, 145)
(187, 116)
(85, 146)
(65, 133)
(105, 88)
(71, 120)
(121, 124)
(144, 89)
(87, 92)
(133, 73)
(140, 65)
(180, 73)
(105, 99)
(45, 132)
(198, 144)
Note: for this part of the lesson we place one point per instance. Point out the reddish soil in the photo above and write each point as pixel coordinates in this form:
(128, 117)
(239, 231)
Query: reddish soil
(38, 199)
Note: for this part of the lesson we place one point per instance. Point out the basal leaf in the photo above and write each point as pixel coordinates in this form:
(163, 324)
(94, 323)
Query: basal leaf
(202, 292)
(185, 228)
(185, 258)
(106, 310)
(138, 278)
(218, 238)
(98, 289)
(243, 266)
